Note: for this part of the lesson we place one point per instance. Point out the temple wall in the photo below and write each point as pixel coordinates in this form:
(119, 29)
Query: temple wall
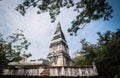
(53, 71)
(60, 61)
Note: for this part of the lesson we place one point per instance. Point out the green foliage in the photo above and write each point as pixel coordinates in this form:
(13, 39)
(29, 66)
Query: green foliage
(109, 61)
(87, 54)
(106, 54)
(88, 10)
(79, 61)
(12, 48)
(26, 55)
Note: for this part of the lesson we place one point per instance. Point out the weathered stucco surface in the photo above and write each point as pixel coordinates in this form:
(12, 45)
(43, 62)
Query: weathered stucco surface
(52, 71)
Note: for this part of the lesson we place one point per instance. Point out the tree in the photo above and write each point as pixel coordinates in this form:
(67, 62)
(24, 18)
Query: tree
(106, 54)
(108, 57)
(86, 54)
(88, 10)
(12, 48)
(79, 61)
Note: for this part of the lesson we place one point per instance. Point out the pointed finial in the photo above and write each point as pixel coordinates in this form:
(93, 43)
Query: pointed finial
(58, 25)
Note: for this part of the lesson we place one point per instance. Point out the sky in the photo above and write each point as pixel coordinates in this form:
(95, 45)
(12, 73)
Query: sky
(39, 30)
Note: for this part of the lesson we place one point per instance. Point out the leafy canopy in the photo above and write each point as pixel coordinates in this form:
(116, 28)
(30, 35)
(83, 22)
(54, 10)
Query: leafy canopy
(106, 54)
(88, 10)
(13, 48)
